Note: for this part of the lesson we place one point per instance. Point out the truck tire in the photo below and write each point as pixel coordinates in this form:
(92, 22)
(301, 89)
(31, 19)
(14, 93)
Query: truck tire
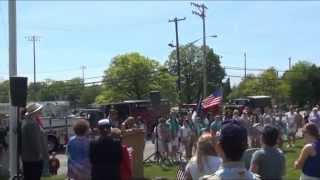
(52, 143)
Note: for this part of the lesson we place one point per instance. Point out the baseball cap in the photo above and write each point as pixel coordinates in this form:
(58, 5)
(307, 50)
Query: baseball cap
(232, 130)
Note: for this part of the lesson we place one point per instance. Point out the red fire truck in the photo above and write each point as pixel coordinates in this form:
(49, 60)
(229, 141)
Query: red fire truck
(141, 108)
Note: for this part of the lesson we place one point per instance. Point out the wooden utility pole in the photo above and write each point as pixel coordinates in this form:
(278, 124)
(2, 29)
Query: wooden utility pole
(176, 20)
(33, 39)
(245, 65)
(202, 13)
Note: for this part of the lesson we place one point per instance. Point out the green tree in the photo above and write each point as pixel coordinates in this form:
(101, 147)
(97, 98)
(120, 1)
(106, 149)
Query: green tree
(4, 92)
(191, 71)
(133, 76)
(247, 87)
(89, 94)
(303, 83)
(51, 90)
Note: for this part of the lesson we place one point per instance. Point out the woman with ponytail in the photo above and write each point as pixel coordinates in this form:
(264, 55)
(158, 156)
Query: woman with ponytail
(205, 160)
(309, 158)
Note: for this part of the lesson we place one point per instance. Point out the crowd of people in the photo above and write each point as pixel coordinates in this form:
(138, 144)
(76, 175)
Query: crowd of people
(246, 144)
(242, 145)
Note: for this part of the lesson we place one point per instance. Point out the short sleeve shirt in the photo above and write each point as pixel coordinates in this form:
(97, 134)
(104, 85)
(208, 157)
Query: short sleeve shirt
(291, 120)
(271, 162)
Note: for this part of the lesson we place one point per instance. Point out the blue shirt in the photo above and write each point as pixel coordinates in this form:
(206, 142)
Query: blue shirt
(312, 163)
(78, 157)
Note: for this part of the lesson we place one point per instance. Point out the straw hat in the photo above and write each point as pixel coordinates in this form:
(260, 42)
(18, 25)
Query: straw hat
(33, 108)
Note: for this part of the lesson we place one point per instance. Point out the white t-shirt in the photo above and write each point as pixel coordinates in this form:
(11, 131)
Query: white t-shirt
(315, 118)
(185, 132)
(291, 121)
(210, 166)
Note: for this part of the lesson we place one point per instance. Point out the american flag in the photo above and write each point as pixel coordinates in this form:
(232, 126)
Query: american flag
(213, 100)
(181, 175)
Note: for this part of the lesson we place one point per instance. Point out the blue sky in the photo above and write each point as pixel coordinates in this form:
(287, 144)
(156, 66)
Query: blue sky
(76, 33)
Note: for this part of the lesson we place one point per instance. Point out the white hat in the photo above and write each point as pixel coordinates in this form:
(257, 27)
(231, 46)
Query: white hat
(33, 108)
(315, 109)
(104, 122)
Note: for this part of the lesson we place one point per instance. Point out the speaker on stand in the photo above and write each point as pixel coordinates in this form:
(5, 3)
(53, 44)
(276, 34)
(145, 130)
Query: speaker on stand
(18, 96)
(155, 99)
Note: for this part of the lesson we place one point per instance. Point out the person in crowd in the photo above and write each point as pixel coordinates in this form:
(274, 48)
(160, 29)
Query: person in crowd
(300, 118)
(309, 158)
(227, 115)
(255, 128)
(193, 135)
(126, 164)
(105, 154)
(314, 117)
(129, 123)
(306, 116)
(54, 164)
(174, 127)
(114, 118)
(245, 120)
(78, 152)
(292, 126)
(185, 138)
(162, 135)
(199, 126)
(269, 161)
(231, 145)
(205, 160)
(267, 118)
(34, 150)
(140, 123)
(210, 118)
(236, 115)
(215, 126)
(281, 126)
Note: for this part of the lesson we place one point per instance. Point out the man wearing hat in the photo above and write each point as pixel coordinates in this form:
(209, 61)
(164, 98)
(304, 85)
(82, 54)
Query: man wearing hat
(105, 154)
(34, 150)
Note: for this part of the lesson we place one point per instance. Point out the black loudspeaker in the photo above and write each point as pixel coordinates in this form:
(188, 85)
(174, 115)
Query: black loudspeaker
(18, 91)
(155, 98)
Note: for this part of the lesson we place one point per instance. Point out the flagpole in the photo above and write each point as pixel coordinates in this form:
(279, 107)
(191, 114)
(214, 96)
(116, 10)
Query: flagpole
(12, 72)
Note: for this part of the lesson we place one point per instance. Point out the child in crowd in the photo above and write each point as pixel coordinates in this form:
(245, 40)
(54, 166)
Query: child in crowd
(54, 164)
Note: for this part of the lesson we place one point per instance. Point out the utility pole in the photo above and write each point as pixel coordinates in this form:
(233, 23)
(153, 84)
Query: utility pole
(83, 68)
(289, 63)
(13, 155)
(202, 13)
(176, 20)
(33, 39)
(245, 65)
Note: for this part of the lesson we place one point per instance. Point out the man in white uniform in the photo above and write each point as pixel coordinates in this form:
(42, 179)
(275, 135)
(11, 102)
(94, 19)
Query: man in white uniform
(292, 126)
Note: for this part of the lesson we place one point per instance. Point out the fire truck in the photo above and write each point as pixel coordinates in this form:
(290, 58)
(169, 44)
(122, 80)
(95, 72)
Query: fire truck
(142, 108)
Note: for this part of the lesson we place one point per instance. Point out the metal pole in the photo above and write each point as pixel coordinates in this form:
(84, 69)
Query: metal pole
(83, 68)
(205, 78)
(12, 72)
(289, 63)
(245, 65)
(34, 59)
(178, 57)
